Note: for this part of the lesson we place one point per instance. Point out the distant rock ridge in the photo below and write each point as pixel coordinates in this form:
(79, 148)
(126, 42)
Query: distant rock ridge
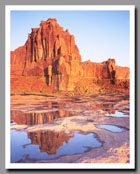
(51, 52)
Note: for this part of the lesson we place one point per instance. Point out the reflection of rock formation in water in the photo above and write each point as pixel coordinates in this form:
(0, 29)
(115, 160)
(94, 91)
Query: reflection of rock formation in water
(42, 118)
(108, 108)
(39, 118)
(48, 141)
(110, 111)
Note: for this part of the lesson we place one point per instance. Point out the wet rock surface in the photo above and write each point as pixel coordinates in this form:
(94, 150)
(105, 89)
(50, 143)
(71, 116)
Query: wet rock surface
(50, 122)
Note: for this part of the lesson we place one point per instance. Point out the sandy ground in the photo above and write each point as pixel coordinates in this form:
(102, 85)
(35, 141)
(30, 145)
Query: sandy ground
(89, 112)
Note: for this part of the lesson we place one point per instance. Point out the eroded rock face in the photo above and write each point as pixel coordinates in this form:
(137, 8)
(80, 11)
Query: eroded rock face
(51, 52)
(110, 69)
(105, 70)
(49, 42)
(18, 58)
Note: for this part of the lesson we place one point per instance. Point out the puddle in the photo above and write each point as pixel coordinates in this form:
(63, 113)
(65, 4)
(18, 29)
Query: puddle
(111, 128)
(41, 118)
(117, 114)
(126, 106)
(47, 145)
(12, 122)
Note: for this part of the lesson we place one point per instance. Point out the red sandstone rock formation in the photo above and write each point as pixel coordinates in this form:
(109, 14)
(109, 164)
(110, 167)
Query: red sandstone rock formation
(52, 59)
(51, 52)
(105, 70)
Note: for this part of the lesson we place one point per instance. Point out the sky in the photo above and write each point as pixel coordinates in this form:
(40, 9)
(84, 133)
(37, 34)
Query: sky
(99, 35)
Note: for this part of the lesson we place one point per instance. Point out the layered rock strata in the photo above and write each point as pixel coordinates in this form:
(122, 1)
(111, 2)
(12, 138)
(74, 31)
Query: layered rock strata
(51, 57)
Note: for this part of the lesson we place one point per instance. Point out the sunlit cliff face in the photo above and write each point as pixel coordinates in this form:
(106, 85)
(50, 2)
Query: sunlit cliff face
(51, 52)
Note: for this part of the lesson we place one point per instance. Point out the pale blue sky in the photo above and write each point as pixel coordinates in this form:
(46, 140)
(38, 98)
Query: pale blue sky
(99, 35)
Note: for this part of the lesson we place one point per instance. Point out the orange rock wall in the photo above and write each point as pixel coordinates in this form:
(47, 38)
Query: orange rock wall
(105, 70)
(50, 59)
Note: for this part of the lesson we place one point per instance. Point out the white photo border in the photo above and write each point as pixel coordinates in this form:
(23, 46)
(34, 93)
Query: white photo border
(8, 164)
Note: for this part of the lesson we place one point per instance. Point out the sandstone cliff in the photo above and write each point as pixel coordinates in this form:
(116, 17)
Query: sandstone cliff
(51, 57)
